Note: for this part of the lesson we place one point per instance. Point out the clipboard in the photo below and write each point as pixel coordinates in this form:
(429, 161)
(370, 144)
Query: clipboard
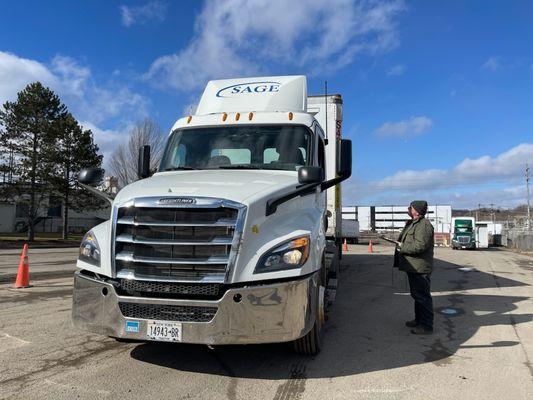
(388, 240)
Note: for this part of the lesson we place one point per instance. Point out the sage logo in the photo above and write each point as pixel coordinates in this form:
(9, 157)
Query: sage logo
(176, 200)
(249, 88)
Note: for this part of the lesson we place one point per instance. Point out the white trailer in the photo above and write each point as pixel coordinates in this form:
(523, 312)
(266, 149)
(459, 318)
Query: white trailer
(350, 230)
(328, 113)
(482, 234)
(226, 243)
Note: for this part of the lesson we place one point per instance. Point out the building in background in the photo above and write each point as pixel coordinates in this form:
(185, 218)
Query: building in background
(388, 219)
(49, 219)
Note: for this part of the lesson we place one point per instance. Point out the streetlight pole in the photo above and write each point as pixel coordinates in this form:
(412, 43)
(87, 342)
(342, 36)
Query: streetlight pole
(527, 189)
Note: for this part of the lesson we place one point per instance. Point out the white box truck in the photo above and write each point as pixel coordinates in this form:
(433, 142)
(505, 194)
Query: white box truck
(229, 241)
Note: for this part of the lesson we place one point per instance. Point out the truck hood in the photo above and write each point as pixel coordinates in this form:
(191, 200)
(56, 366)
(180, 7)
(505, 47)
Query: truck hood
(237, 185)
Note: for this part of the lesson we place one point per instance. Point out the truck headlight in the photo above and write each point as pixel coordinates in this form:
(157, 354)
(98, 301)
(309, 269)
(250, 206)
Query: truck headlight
(289, 255)
(90, 250)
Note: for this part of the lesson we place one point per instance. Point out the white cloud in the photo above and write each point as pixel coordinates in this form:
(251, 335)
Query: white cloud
(408, 128)
(107, 139)
(396, 70)
(17, 72)
(510, 196)
(151, 11)
(74, 83)
(492, 64)
(240, 37)
(484, 179)
(502, 168)
(88, 101)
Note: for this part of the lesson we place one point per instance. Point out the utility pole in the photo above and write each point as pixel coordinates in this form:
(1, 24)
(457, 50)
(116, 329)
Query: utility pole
(527, 189)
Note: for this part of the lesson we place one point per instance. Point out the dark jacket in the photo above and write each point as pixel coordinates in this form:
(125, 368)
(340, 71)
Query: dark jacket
(416, 252)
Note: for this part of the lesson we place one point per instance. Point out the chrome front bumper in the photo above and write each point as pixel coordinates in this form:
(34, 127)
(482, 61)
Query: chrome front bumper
(463, 245)
(270, 313)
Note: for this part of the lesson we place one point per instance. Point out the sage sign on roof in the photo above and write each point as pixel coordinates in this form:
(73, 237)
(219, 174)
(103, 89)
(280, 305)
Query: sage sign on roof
(250, 88)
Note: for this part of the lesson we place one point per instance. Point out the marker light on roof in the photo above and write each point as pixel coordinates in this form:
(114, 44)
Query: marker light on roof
(237, 116)
(224, 116)
(189, 118)
(250, 116)
(291, 115)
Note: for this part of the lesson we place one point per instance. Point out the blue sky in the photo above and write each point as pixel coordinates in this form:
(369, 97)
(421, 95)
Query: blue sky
(438, 96)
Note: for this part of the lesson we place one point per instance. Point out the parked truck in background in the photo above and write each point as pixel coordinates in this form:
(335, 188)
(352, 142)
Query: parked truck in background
(229, 242)
(463, 233)
(350, 230)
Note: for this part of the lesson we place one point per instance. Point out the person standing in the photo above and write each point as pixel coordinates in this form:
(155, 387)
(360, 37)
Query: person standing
(414, 255)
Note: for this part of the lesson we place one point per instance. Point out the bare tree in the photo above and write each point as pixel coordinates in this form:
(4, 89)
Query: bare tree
(125, 159)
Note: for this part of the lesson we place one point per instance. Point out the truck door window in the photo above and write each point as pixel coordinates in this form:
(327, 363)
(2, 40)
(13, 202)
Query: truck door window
(321, 157)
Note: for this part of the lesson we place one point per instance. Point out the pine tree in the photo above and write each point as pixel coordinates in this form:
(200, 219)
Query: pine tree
(75, 149)
(29, 126)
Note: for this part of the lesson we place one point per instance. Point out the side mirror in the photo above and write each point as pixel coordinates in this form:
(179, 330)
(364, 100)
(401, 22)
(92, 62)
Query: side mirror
(88, 178)
(344, 164)
(310, 175)
(344, 158)
(91, 176)
(143, 170)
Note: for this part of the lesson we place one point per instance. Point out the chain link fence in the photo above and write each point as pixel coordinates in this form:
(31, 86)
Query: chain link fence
(517, 238)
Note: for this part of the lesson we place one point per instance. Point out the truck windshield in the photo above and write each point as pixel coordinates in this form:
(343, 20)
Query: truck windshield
(463, 226)
(283, 147)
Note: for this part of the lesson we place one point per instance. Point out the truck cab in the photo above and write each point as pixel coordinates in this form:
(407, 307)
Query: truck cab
(226, 243)
(464, 233)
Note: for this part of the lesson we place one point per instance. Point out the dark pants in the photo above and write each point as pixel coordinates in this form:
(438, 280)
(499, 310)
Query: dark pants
(420, 286)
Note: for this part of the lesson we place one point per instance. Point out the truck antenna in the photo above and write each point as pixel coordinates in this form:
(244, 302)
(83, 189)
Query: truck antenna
(326, 105)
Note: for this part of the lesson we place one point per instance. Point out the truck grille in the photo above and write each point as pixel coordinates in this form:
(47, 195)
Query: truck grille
(463, 239)
(167, 312)
(174, 243)
(171, 289)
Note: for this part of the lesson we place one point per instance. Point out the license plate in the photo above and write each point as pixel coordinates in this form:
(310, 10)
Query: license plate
(164, 330)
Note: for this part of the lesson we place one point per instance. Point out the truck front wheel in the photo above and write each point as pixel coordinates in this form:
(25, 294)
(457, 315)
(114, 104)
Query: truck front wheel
(311, 343)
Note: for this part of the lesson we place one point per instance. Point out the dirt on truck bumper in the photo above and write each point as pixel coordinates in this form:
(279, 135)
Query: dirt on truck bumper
(269, 313)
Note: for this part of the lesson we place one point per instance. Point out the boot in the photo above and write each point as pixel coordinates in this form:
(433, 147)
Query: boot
(412, 324)
(422, 330)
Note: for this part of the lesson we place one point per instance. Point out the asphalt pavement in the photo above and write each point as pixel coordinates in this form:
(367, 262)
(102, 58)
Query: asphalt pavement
(482, 347)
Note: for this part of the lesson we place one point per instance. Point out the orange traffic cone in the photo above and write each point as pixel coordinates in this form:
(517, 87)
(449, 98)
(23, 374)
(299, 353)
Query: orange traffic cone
(370, 248)
(23, 275)
(345, 246)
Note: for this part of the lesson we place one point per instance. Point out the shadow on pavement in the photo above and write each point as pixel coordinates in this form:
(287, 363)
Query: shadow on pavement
(365, 331)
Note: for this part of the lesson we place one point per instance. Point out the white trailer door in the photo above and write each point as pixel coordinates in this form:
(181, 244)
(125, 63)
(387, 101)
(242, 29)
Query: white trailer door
(482, 235)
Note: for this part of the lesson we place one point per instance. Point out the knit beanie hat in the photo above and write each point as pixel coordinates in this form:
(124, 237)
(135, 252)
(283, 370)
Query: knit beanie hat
(421, 206)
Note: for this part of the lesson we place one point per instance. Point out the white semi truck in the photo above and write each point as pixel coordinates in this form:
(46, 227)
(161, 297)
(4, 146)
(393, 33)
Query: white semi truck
(233, 240)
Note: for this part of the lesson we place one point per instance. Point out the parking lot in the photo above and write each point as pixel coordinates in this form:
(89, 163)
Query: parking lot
(482, 347)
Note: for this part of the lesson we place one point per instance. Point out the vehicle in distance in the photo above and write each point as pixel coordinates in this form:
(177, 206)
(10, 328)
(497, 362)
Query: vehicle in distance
(463, 234)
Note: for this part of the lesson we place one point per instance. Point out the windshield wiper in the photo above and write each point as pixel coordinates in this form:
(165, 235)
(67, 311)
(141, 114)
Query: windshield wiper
(182, 168)
(239, 166)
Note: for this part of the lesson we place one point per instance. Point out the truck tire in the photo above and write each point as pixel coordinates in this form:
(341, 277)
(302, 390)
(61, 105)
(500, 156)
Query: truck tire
(311, 343)
(339, 247)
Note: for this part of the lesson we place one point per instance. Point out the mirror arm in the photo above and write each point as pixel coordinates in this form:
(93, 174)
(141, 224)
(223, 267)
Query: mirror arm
(97, 192)
(332, 182)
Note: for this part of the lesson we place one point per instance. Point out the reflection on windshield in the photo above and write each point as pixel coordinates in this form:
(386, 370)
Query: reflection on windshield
(284, 147)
